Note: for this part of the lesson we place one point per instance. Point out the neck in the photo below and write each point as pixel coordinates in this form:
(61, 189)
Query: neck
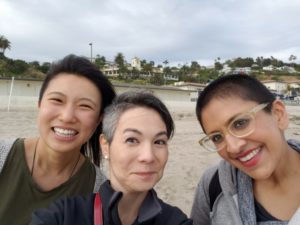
(129, 214)
(50, 161)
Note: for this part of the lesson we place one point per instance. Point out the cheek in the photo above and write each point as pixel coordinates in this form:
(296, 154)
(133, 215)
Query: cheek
(90, 119)
(45, 113)
(162, 157)
(120, 159)
(223, 154)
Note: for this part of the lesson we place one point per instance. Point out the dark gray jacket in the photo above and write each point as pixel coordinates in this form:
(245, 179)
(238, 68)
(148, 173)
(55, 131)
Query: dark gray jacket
(80, 210)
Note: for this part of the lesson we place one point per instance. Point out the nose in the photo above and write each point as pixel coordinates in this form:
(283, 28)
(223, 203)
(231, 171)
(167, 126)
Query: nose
(234, 144)
(68, 114)
(146, 153)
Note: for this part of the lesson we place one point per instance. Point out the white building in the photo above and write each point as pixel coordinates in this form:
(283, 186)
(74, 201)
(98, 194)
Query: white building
(25, 92)
(136, 63)
(278, 87)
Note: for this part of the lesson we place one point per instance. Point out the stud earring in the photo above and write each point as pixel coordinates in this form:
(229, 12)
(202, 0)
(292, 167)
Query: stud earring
(105, 156)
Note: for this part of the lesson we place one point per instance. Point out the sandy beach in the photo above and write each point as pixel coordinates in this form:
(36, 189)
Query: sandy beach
(187, 160)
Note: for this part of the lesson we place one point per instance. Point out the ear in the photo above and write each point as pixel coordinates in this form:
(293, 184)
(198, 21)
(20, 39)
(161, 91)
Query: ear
(280, 113)
(104, 146)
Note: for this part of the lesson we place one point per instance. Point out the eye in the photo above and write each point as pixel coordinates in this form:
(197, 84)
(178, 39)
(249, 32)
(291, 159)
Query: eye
(86, 106)
(216, 138)
(241, 123)
(55, 100)
(132, 140)
(161, 142)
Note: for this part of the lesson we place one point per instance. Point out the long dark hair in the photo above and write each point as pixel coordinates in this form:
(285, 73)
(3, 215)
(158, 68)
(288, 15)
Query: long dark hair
(81, 66)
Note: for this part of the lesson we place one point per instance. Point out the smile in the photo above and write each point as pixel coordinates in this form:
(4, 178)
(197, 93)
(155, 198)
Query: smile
(249, 156)
(145, 175)
(64, 132)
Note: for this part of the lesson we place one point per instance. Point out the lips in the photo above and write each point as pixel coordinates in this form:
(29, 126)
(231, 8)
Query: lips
(145, 175)
(249, 156)
(64, 132)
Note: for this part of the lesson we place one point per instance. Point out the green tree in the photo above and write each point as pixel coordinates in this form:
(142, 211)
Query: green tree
(166, 62)
(292, 58)
(17, 67)
(45, 67)
(100, 61)
(195, 67)
(120, 61)
(218, 66)
(4, 44)
(157, 79)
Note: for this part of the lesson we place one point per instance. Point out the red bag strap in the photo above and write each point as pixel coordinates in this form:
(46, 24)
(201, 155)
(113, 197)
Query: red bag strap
(98, 210)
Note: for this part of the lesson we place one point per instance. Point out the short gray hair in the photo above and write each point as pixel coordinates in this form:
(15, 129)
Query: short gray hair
(130, 100)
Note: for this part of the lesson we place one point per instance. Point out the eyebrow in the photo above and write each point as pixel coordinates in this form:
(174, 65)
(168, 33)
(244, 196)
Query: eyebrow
(61, 94)
(228, 122)
(140, 133)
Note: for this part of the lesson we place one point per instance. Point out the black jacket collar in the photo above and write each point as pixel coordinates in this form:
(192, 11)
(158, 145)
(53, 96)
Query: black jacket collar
(110, 198)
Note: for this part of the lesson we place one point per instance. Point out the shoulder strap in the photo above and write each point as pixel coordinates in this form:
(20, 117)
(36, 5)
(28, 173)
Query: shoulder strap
(214, 189)
(5, 146)
(98, 210)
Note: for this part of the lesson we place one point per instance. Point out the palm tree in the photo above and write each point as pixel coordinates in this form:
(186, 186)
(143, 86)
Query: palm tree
(4, 44)
(166, 62)
(119, 59)
(292, 58)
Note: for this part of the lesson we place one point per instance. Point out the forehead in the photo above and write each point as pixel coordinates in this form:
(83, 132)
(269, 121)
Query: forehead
(62, 77)
(219, 111)
(141, 118)
(74, 85)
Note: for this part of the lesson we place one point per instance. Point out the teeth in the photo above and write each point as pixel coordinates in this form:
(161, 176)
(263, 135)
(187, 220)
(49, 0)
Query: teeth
(64, 132)
(249, 156)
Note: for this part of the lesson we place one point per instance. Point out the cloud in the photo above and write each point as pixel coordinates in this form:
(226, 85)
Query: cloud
(180, 31)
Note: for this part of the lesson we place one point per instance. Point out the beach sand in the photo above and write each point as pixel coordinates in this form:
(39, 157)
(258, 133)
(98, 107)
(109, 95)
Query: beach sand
(187, 160)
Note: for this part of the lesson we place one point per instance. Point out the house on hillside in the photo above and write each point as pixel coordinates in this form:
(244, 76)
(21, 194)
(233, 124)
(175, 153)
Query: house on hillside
(242, 70)
(278, 87)
(190, 86)
(195, 88)
(136, 63)
(110, 69)
(269, 68)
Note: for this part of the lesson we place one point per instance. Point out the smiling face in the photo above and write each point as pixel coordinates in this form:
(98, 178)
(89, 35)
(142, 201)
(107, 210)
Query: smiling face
(68, 112)
(138, 152)
(258, 154)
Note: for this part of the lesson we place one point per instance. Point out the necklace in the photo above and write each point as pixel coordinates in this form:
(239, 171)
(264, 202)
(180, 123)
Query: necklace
(33, 161)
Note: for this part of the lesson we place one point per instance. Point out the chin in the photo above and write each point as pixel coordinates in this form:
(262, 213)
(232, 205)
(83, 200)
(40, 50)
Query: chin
(259, 174)
(143, 187)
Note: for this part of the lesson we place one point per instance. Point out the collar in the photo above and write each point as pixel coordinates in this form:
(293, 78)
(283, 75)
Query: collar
(149, 209)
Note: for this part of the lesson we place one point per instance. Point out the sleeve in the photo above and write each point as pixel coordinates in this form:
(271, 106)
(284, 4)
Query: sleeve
(66, 211)
(5, 146)
(200, 212)
(49, 216)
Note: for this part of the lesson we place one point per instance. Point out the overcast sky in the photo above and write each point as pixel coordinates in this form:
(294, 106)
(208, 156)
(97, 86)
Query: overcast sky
(180, 31)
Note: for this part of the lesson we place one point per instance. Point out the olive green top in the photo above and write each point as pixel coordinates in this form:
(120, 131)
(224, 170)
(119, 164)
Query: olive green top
(19, 195)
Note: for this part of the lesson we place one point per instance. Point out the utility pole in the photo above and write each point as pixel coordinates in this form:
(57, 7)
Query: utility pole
(91, 44)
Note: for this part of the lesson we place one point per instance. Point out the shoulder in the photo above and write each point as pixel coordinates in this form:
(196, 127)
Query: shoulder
(5, 147)
(6, 144)
(295, 144)
(172, 215)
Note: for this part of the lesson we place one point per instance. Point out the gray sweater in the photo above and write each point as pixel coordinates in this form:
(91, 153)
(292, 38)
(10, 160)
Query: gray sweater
(225, 209)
